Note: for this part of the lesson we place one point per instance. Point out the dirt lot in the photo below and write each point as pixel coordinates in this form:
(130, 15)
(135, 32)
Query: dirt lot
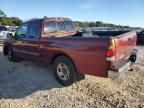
(32, 85)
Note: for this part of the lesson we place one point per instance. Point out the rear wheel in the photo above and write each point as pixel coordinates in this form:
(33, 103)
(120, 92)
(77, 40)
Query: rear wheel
(64, 71)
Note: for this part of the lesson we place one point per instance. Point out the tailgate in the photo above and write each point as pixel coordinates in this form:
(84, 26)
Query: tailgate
(125, 44)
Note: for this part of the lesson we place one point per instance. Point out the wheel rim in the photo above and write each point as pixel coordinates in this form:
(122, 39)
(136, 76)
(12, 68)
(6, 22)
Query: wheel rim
(63, 71)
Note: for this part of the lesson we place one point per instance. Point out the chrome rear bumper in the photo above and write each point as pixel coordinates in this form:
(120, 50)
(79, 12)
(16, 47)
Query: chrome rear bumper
(123, 66)
(113, 73)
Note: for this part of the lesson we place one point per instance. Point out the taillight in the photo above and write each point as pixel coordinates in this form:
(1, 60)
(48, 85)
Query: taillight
(111, 53)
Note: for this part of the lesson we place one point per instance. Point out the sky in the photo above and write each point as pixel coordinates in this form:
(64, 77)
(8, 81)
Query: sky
(123, 12)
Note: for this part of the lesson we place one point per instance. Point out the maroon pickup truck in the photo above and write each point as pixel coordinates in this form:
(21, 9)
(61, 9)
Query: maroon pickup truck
(55, 41)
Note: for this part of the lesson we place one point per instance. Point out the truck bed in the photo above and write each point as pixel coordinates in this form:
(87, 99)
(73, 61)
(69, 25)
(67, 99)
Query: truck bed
(124, 40)
(109, 33)
(100, 34)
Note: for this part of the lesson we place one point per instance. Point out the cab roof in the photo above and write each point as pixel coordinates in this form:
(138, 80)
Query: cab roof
(49, 18)
(56, 18)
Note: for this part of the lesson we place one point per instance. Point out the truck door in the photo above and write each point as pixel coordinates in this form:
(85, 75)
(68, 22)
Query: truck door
(32, 39)
(19, 42)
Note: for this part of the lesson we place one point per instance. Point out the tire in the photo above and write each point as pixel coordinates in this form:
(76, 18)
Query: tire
(64, 71)
(9, 35)
(11, 56)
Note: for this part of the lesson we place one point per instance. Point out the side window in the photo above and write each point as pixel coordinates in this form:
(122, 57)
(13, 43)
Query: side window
(69, 26)
(33, 29)
(22, 30)
(50, 27)
(60, 25)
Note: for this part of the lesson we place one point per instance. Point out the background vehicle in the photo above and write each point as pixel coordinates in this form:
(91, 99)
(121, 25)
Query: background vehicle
(55, 41)
(3, 33)
(140, 37)
(12, 30)
(6, 32)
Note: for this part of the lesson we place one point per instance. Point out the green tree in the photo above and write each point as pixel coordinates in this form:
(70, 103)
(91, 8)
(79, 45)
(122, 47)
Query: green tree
(15, 21)
(9, 21)
(5, 21)
(92, 24)
(99, 24)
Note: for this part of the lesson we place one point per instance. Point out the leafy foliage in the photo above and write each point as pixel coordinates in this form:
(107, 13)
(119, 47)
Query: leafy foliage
(9, 21)
(97, 24)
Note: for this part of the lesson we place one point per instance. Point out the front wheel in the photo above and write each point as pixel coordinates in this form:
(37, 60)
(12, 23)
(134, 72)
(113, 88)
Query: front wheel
(64, 71)
(11, 56)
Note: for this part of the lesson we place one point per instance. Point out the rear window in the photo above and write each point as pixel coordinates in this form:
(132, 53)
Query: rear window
(61, 26)
(69, 26)
(58, 26)
(50, 27)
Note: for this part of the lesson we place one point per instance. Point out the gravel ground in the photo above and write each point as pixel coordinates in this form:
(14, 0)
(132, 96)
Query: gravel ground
(32, 85)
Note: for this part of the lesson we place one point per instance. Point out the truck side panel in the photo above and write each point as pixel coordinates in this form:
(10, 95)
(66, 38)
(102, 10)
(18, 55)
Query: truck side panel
(88, 54)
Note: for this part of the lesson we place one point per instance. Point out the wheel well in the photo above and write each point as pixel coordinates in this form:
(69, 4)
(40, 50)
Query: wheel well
(5, 50)
(60, 54)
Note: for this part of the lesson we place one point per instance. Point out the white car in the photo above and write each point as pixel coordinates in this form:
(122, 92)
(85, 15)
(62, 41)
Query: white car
(12, 30)
(3, 33)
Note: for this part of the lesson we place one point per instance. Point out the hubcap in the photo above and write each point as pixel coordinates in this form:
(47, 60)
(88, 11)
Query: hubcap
(63, 71)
